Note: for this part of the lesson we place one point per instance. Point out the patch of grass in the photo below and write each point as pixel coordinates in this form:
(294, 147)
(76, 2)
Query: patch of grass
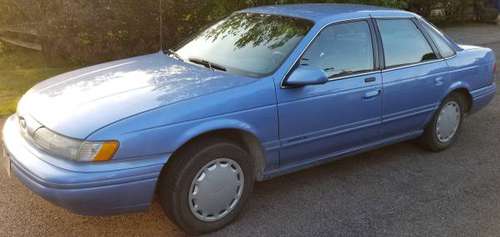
(20, 70)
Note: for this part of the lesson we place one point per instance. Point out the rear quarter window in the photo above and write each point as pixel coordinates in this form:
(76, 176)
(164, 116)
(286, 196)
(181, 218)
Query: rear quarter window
(444, 48)
(403, 43)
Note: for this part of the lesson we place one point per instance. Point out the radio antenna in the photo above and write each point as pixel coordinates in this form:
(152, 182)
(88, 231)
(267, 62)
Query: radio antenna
(161, 26)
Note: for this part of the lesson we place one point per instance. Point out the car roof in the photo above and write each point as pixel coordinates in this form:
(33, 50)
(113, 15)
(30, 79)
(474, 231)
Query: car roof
(320, 11)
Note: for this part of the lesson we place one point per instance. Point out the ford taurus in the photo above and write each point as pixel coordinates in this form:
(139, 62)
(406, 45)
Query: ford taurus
(264, 92)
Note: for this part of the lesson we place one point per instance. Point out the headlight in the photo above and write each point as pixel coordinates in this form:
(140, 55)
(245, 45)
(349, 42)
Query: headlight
(74, 149)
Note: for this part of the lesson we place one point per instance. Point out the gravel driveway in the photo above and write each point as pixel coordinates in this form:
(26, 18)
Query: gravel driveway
(400, 190)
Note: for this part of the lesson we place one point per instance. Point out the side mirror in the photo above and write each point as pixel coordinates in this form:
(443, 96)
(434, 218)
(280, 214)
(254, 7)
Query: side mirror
(307, 75)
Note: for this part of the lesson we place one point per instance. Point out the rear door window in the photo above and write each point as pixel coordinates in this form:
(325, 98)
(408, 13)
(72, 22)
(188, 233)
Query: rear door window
(404, 43)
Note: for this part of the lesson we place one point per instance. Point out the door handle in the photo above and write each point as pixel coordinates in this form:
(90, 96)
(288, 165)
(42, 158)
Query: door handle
(370, 79)
(372, 94)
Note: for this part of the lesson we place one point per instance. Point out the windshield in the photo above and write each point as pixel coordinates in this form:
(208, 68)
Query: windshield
(246, 44)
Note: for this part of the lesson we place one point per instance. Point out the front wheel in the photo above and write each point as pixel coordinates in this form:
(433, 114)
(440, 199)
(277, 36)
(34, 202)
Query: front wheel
(443, 130)
(207, 185)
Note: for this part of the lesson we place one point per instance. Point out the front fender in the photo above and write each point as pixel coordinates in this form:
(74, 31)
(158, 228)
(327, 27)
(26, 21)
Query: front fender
(136, 143)
(167, 139)
(212, 126)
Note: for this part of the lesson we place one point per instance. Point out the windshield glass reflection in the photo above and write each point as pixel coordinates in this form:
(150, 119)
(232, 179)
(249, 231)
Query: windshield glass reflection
(247, 44)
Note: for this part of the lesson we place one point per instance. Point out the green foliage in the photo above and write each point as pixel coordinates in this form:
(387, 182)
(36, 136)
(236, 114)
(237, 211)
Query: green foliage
(486, 12)
(3, 48)
(253, 30)
(91, 31)
(21, 69)
(455, 10)
(488, 15)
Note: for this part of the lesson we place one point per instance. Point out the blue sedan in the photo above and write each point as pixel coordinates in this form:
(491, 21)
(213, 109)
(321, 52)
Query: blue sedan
(264, 92)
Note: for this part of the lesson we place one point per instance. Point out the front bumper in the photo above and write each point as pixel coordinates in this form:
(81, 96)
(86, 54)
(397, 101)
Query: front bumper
(84, 188)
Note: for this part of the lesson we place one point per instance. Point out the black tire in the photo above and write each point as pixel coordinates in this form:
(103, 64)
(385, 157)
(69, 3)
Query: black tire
(176, 178)
(429, 139)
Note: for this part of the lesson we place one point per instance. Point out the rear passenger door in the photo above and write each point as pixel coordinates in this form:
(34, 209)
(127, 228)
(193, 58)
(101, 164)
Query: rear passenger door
(414, 77)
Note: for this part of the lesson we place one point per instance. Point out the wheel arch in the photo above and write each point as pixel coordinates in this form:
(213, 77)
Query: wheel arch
(236, 131)
(463, 89)
(459, 87)
(467, 95)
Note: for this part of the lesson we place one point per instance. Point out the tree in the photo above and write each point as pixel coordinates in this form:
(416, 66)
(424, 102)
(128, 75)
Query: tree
(91, 31)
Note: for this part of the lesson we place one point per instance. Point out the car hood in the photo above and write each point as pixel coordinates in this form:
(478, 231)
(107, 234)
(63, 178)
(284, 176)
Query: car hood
(80, 102)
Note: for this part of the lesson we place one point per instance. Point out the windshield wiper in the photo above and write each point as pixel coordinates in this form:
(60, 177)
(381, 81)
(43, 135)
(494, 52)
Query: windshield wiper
(208, 64)
(175, 54)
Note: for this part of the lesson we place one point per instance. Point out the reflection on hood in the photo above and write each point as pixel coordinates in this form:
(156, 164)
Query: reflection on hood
(97, 96)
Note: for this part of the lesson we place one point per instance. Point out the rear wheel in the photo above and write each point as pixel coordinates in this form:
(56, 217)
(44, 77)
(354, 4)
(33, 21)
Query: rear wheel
(207, 185)
(443, 130)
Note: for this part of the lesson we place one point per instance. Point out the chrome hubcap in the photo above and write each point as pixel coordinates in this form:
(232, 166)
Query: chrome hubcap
(448, 121)
(216, 189)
